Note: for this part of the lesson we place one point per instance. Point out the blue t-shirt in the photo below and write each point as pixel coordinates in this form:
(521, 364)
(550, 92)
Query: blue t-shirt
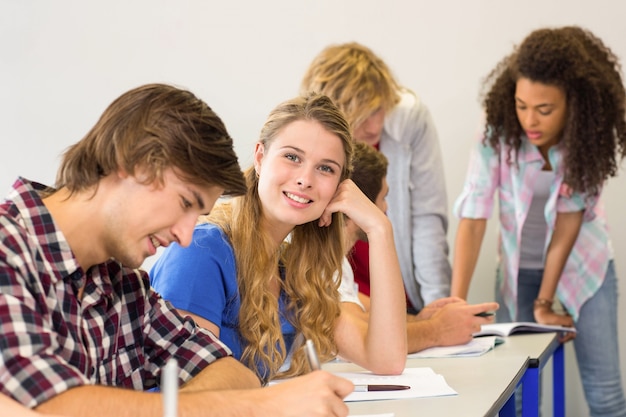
(202, 279)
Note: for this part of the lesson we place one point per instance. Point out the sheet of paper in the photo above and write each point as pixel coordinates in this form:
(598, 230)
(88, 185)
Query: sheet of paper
(475, 347)
(424, 382)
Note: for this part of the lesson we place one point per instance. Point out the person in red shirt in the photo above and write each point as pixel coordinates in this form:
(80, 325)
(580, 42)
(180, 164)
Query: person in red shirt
(444, 322)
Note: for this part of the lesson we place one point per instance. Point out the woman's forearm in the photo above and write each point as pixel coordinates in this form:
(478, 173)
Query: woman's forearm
(566, 230)
(469, 237)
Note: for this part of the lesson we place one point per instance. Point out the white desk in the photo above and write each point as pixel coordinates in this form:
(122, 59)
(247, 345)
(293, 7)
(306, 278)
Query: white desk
(485, 384)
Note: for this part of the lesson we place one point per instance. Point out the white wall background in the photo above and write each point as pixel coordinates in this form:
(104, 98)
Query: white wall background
(63, 62)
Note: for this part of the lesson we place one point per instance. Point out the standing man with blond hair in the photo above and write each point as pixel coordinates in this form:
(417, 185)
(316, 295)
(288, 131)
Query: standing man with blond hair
(395, 121)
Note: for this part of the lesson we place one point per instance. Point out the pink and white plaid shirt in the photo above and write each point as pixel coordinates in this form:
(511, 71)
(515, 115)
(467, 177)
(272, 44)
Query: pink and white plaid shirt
(489, 172)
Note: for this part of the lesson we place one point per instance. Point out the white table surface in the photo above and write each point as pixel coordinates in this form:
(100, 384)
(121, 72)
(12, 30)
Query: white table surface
(483, 383)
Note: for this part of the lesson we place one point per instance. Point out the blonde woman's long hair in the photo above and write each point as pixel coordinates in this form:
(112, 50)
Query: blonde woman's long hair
(310, 259)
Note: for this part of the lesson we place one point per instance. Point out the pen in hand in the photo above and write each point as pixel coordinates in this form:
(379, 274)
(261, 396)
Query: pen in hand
(311, 355)
(169, 388)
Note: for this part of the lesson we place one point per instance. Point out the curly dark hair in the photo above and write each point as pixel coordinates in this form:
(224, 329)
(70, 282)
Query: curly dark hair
(589, 73)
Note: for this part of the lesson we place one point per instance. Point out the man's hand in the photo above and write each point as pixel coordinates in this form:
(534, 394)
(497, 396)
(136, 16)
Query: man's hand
(432, 308)
(456, 322)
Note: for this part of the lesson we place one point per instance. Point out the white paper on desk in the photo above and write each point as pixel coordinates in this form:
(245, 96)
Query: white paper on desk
(424, 382)
(474, 347)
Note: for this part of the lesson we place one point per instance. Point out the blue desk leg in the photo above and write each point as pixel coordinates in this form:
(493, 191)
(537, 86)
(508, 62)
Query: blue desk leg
(558, 382)
(531, 387)
(508, 409)
(530, 393)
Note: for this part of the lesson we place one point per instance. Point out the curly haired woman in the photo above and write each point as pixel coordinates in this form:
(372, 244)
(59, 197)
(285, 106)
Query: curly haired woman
(260, 273)
(555, 131)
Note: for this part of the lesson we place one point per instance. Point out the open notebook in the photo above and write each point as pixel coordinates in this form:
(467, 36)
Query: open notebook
(474, 347)
(507, 329)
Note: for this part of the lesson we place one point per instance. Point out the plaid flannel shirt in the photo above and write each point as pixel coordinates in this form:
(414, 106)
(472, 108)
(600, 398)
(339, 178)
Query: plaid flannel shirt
(120, 334)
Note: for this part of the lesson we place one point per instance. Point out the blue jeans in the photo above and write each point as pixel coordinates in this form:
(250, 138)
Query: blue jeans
(596, 343)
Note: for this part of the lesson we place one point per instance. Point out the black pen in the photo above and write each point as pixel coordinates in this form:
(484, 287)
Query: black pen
(364, 388)
(484, 314)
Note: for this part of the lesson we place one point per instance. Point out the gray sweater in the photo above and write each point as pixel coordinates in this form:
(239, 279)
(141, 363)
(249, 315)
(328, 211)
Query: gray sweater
(417, 200)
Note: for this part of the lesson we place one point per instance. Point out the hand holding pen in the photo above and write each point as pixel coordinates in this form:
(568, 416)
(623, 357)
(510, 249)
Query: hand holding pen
(314, 364)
